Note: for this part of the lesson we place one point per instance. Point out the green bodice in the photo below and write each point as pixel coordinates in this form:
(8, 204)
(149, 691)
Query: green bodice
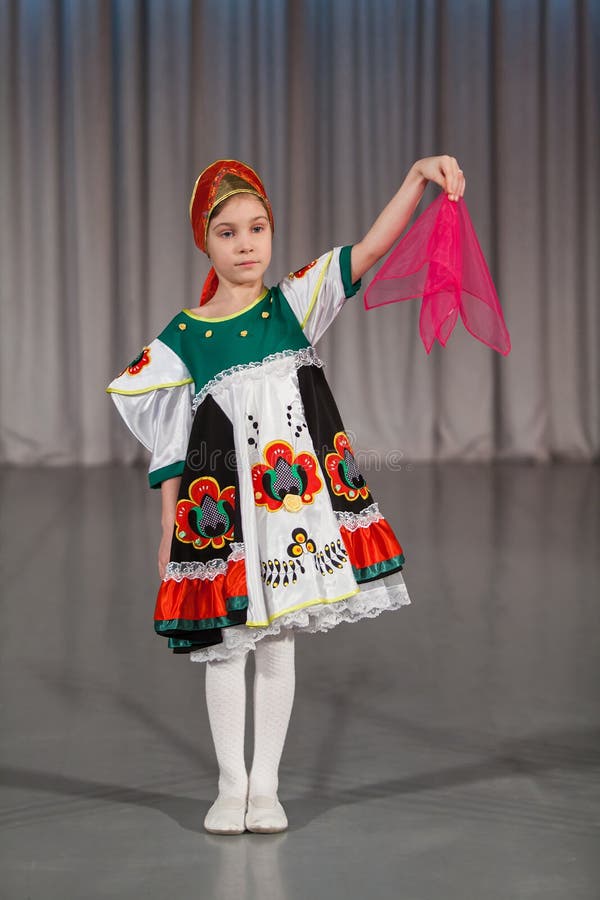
(208, 346)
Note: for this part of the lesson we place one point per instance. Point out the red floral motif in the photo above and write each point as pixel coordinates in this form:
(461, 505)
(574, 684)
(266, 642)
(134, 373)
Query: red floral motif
(286, 480)
(137, 364)
(303, 270)
(343, 470)
(207, 517)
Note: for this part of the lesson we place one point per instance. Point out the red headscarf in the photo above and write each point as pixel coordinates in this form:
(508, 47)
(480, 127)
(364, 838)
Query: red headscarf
(220, 180)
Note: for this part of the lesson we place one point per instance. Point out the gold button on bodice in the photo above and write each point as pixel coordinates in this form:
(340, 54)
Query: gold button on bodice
(208, 333)
(243, 333)
(182, 326)
(265, 315)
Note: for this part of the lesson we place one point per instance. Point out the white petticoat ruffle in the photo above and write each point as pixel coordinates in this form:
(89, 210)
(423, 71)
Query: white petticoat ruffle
(383, 595)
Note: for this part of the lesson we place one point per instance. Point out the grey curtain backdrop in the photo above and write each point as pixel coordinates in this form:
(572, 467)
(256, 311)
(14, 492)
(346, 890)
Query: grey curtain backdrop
(109, 110)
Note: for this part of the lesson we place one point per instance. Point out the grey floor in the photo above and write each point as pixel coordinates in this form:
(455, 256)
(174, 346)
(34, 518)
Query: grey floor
(447, 750)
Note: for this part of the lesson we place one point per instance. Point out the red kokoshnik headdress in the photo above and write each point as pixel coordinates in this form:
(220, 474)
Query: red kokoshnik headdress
(220, 180)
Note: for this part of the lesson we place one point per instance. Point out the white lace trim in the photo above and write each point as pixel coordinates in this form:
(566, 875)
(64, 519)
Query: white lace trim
(353, 520)
(370, 602)
(177, 571)
(307, 356)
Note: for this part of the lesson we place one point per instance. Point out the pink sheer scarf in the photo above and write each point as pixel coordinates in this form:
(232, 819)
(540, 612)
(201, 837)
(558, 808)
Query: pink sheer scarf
(439, 259)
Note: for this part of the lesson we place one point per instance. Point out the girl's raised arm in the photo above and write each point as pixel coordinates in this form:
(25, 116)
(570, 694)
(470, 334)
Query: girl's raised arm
(392, 220)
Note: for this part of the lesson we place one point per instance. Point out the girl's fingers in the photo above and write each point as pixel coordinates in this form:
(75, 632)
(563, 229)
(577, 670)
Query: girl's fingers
(452, 177)
(458, 184)
(450, 169)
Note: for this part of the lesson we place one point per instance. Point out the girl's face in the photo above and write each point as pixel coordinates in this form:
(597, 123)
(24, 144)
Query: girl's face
(239, 239)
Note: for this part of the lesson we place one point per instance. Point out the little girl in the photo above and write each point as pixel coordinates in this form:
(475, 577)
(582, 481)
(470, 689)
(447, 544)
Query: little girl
(268, 524)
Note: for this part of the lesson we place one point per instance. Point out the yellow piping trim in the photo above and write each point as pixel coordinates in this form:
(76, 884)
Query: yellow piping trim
(147, 390)
(313, 299)
(301, 606)
(240, 312)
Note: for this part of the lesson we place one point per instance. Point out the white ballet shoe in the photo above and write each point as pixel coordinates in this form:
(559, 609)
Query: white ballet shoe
(265, 815)
(226, 816)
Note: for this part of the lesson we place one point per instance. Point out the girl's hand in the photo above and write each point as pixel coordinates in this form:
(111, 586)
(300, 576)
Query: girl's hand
(444, 170)
(164, 552)
(392, 220)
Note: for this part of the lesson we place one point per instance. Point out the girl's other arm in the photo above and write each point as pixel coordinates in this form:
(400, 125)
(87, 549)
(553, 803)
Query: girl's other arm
(169, 491)
(392, 220)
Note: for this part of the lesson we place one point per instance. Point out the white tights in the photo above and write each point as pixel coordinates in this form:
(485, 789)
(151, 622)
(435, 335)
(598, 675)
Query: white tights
(274, 684)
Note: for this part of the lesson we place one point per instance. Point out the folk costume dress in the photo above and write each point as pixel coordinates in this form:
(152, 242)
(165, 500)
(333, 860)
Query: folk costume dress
(275, 525)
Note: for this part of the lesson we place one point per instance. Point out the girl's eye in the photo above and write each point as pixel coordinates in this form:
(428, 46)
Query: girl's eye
(225, 233)
(258, 228)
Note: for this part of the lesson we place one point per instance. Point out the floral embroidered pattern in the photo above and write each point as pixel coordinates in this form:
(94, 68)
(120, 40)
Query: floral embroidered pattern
(276, 572)
(343, 471)
(285, 480)
(207, 517)
(136, 365)
(303, 270)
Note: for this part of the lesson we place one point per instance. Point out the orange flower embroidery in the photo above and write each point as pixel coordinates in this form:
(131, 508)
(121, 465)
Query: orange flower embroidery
(286, 480)
(303, 270)
(207, 517)
(137, 364)
(343, 471)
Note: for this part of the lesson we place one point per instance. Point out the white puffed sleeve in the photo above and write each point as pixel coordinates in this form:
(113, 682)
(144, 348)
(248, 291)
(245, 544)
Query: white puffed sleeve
(317, 292)
(154, 396)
